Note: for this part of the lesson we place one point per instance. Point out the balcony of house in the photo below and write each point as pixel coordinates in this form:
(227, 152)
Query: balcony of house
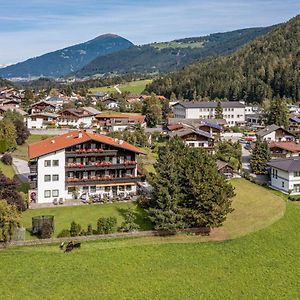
(94, 165)
(32, 167)
(32, 180)
(106, 179)
(90, 152)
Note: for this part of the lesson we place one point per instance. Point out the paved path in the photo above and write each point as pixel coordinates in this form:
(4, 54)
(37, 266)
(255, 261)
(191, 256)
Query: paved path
(21, 168)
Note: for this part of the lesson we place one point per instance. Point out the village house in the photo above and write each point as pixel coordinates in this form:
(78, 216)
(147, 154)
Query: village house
(41, 120)
(82, 163)
(285, 175)
(195, 138)
(294, 124)
(274, 133)
(233, 111)
(5, 108)
(224, 168)
(42, 106)
(118, 122)
(76, 117)
(111, 103)
(284, 149)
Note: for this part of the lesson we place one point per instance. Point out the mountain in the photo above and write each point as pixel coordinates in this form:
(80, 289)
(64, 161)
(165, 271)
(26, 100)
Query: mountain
(267, 67)
(5, 83)
(168, 56)
(67, 60)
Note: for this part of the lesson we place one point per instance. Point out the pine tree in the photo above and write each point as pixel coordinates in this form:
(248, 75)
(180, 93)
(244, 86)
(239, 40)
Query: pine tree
(152, 110)
(278, 113)
(219, 111)
(260, 156)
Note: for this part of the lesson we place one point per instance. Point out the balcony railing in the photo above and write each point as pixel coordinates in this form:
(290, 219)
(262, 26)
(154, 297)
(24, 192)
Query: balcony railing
(101, 180)
(90, 152)
(102, 164)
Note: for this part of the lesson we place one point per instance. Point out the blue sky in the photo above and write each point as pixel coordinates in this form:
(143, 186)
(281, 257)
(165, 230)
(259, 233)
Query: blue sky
(33, 27)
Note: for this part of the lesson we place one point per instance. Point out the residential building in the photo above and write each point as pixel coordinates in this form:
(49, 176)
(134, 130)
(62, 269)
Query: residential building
(111, 103)
(233, 111)
(224, 168)
(5, 108)
(83, 162)
(195, 138)
(284, 149)
(41, 120)
(76, 118)
(274, 133)
(41, 107)
(294, 124)
(118, 122)
(285, 175)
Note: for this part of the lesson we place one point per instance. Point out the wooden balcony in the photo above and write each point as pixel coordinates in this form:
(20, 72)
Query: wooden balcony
(102, 165)
(91, 153)
(101, 180)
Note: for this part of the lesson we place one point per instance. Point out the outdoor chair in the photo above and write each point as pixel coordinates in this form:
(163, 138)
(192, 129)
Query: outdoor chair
(55, 202)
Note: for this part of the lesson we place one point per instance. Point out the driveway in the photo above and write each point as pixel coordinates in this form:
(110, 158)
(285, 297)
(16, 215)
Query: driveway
(246, 157)
(21, 168)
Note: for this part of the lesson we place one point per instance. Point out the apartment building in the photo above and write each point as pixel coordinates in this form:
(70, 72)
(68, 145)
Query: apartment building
(82, 162)
(233, 111)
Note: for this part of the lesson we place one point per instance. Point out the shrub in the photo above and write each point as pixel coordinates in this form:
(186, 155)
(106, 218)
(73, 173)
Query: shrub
(129, 223)
(7, 159)
(106, 225)
(46, 231)
(89, 230)
(75, 229)
(64, 233)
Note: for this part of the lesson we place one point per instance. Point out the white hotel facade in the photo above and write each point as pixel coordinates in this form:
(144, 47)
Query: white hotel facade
(233, 111)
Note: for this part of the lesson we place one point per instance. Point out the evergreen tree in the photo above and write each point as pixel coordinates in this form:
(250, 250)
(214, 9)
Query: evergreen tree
(219, 111)
(152, 110)
(278, 113)
(260, 156)
(7, 136)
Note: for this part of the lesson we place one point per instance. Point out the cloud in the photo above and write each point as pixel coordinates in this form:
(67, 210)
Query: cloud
(33, 27)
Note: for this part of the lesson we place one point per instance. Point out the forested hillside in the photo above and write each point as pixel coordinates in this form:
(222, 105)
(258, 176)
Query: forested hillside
(5, 83)
(169, 56)
(268, 66)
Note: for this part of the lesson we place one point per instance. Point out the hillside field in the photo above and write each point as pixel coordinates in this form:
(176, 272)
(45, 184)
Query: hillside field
(133, 87)
(261, 265)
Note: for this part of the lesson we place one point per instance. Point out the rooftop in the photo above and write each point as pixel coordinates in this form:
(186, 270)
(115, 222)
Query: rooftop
(120, 116)
(286, 164)
(73, 138)
(210, 104)
(289, 146)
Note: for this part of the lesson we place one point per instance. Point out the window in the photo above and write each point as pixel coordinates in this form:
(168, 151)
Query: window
(297, 174)
(55, 193)
(55, 177)
(47, 193)
(276, 174)
(85, 189)
(47, 163)
(47, 178)
(297, 188)
(128, 187)
(282, 184)
(93, 189)
(121, 188)
(191, 144)
(71, 189)
(107, 189)
(55, 163)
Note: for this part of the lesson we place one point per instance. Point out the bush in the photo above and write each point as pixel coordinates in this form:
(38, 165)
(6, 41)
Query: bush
(89, 230)
(7, 159)
(75, 229)
(129, 223)
(106, 225)
(46, 231)
(64, 233)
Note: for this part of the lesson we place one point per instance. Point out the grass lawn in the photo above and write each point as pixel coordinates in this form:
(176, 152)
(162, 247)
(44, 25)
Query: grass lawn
(84, 215)
(8, 171)
(261, 265)
(134, 87)
(22, 151)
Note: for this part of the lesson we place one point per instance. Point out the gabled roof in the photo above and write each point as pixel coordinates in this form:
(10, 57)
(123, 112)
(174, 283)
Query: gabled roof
(289, 146)
(267, 130)
(120, 116)
(221, 164)
(294, 119)
(73, 138)
(186, 131)
(286, 164)
(91, 110)
(210, 104)
(44, 114)
(8, 107)
(41, 102)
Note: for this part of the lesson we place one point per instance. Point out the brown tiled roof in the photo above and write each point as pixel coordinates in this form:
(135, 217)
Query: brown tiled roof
(289, 146)
(72, 138)
(120, 116)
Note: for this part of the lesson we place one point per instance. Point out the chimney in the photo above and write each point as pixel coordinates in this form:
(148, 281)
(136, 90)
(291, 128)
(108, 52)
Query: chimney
(80, 135)
(53, 141)
(121, 142)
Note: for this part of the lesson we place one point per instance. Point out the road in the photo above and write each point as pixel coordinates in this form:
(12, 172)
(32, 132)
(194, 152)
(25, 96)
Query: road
(246, 156)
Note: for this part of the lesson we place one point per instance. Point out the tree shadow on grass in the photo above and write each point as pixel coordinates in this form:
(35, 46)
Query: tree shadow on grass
(141, 217)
